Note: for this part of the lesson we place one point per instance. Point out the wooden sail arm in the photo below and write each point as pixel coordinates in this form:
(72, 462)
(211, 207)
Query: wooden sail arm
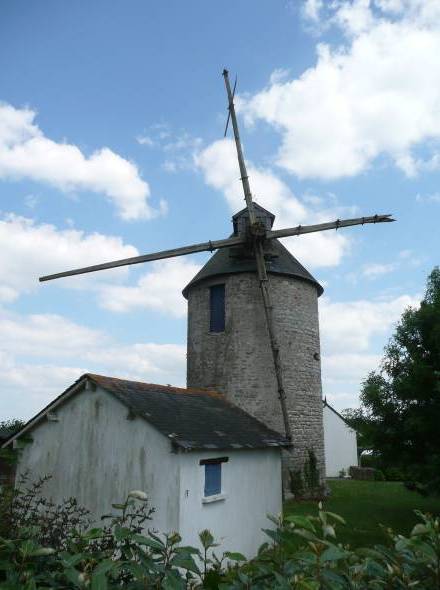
(202, 247)
(308, 229)
(218, 244)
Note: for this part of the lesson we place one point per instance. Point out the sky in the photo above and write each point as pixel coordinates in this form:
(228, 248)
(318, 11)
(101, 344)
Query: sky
(111, 145)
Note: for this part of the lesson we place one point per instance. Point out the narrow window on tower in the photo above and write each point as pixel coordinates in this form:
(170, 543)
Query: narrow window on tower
(217, 308)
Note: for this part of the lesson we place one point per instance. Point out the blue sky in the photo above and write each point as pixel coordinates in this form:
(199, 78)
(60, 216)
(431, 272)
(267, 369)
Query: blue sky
(111, 144)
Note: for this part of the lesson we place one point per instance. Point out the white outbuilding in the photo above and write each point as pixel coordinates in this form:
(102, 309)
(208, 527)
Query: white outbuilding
(204, 462)
(340, 442)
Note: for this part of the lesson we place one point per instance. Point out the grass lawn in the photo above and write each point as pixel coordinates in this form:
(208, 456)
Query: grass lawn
(365, 505)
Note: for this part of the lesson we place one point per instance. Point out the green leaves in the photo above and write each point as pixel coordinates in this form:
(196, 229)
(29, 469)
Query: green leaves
(303, 522)
(99, 581)
(233, 556)
(301, 555)
(334, 553)
(206, 539)
(419, 529)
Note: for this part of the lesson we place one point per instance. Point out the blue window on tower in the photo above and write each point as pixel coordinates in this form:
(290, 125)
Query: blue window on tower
(217, 308)
(213, 479)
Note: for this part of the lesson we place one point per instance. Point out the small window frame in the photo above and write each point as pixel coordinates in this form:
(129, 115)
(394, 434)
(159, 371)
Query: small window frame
(213, 480)
(213, 476)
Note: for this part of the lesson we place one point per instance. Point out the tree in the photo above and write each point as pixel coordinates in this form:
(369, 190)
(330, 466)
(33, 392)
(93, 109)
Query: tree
(9, 427)
(401, 401)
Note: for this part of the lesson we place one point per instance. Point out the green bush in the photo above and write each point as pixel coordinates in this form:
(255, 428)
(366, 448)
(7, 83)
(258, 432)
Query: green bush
(296, 482)
(394, 474)
(362, 473)
(379, 475)
(311, 471)
(306, 482)
(370, 461)
(302, 553)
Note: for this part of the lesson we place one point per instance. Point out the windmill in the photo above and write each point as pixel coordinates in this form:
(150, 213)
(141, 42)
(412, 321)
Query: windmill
(253, 239)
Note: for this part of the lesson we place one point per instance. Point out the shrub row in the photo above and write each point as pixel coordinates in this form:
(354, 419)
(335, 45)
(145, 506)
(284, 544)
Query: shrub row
(301, 554)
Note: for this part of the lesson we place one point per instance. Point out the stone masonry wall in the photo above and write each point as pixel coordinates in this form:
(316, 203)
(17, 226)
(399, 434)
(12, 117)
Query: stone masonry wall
(238, 361)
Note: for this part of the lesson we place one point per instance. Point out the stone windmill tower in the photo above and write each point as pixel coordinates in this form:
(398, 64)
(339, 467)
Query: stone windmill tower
(228, 339)
(253, 322)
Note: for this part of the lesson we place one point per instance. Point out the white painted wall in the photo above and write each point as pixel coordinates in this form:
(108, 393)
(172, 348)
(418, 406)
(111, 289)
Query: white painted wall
(340, 444)
(251, 483)
(95, 454)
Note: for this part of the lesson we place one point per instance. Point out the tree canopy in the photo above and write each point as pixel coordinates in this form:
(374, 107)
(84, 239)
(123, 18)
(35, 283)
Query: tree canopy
(400, 402)
(9, 427)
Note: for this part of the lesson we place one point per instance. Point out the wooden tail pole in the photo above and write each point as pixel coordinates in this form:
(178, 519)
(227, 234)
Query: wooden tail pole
(268, 309)
(261, 264)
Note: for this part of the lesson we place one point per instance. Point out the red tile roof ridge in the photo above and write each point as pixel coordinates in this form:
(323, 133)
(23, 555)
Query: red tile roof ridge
(168, 388)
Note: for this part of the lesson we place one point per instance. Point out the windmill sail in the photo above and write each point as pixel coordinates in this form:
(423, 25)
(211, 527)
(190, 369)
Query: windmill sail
(203, 247)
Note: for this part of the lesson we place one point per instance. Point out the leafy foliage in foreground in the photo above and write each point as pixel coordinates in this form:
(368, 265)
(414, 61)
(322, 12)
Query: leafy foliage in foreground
(301, 554)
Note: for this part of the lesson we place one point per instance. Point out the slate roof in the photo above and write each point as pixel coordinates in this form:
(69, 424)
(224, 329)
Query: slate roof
(259, 210)
(231, 260)
(192, 418)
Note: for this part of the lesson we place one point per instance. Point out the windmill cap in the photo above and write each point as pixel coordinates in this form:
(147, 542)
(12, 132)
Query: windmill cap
(229, 261)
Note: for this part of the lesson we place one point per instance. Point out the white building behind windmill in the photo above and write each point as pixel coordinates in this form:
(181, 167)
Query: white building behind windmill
(341, 450)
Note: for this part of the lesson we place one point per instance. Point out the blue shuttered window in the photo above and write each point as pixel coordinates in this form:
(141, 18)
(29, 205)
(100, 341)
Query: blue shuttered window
(217, 308)
(213, 479)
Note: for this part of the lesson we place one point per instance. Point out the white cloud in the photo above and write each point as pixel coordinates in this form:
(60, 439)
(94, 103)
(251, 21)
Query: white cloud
(47, 335)
(42, 354)
(375, 270)
(145, 140)
(31, 201)
(312, 9)
(348, 334)
(157, 363)
(375, 96)
(160, 289)
(7, 294)
(392, 6)
(27, 388)
(342, 375)
(218, 163)
(350, 325)
(26, 153)
(354, 17)
(178, 147)
(180, 151)
(29, 250)
(278, 75)
(432, 198)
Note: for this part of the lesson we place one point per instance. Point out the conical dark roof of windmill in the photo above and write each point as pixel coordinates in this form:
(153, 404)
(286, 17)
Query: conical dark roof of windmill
(240, 259)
